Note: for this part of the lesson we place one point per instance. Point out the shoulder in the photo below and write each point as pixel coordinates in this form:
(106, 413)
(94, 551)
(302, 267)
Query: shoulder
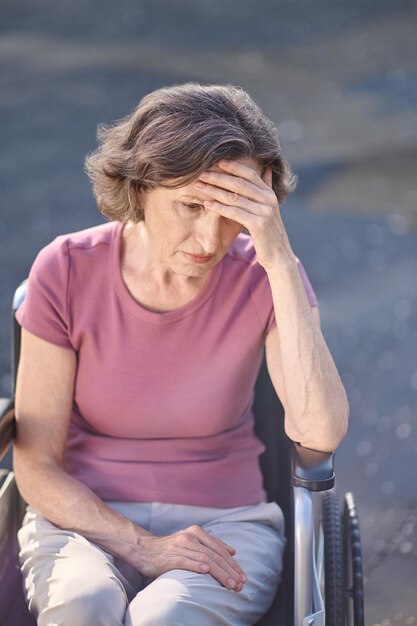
(60, 248)
(242, 250)
(243, 266)
(84, 239)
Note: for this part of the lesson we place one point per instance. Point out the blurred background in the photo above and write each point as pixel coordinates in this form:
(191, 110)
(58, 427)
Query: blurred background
(340, 81)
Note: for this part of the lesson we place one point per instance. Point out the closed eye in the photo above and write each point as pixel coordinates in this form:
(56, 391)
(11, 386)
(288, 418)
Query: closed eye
(192, 206)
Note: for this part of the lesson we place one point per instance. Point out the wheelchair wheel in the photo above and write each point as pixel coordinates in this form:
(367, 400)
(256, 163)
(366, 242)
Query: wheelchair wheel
(352, 558)
(333, 568)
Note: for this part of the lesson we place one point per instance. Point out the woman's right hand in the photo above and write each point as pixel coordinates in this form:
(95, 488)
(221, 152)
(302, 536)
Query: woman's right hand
(192, 549)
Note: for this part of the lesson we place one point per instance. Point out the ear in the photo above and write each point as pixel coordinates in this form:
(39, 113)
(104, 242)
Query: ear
(140, 198)
(267, 176)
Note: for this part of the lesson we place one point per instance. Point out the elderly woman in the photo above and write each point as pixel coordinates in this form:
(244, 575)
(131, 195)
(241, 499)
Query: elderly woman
(142, 339)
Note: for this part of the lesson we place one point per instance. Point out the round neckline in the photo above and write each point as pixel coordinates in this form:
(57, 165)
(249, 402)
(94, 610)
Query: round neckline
(155, 317)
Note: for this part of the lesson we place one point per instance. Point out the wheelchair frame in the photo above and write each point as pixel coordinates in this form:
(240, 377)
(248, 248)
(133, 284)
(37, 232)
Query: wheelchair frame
(312, 472)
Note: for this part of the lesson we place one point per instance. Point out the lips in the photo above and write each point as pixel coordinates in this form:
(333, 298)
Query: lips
(198, 258)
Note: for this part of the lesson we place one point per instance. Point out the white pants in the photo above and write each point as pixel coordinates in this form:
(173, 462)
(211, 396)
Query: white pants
(70, 581)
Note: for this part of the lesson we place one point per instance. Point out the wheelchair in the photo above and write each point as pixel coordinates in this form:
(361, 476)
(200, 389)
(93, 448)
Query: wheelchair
(322, 581)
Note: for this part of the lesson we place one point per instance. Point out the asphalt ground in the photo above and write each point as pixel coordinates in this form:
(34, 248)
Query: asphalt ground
(340, 81)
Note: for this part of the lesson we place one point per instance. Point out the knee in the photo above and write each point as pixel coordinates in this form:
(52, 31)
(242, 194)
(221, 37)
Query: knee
(161, 613)
(86, 604)
(160, 607)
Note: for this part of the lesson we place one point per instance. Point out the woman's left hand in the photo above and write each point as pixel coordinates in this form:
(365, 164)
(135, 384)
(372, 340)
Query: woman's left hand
(241, 194)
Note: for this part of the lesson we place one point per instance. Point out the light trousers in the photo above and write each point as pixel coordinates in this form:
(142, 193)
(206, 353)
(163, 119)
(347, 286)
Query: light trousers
(70, 581)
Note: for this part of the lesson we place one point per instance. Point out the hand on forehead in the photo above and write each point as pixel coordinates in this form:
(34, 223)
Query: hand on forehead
(228, 174)
(244, 160)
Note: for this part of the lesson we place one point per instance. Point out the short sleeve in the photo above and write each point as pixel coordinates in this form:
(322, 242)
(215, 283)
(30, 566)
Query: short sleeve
(44, 310)
(308, 289)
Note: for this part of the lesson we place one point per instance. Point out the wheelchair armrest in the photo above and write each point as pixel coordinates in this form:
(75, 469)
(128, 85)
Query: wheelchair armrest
(7, 424)
(312, 469)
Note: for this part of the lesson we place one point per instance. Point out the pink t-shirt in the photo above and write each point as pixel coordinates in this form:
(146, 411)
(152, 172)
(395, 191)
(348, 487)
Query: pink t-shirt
(162, 407)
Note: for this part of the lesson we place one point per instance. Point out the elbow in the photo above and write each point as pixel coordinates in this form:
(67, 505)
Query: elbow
(32, 473)
(24, 472)
(342, 420)
(326, 438)
(337, 424)
(338, 429)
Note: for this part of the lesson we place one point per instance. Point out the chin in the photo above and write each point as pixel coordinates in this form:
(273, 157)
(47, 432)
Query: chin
(197, 271)
(194, 270)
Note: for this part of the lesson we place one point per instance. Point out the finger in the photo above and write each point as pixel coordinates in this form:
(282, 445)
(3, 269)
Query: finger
(220, 542)
(185, 558)
(217, 563)
(228, 580)
(200, 533)
(234, 213)
(228, 197)
(244, 171)
(222, 572)
(204, 560)
(218, 546)
(234, 184)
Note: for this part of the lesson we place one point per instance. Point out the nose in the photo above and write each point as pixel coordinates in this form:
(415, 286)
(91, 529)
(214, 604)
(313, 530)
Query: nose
(208, 234)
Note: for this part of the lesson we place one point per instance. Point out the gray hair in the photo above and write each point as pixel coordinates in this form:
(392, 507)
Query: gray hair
(172, 136)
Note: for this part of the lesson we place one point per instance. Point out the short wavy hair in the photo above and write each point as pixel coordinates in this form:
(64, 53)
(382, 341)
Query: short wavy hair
(172, 136)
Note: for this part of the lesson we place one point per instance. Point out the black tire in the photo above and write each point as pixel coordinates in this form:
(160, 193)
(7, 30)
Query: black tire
(333, 568)
(352, 559)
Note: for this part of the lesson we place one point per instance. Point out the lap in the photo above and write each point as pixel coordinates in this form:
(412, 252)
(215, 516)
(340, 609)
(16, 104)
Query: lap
(178, 596)
(62, 568)
(190, 598)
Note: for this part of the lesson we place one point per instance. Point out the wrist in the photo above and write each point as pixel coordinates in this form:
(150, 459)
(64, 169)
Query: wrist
(282, 263)
(140, 536)
(134, 545)
(276, 253)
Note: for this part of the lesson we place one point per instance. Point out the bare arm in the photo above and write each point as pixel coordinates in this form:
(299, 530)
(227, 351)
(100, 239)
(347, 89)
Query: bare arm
(299, 362)
(301, 368)
(44, 396)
